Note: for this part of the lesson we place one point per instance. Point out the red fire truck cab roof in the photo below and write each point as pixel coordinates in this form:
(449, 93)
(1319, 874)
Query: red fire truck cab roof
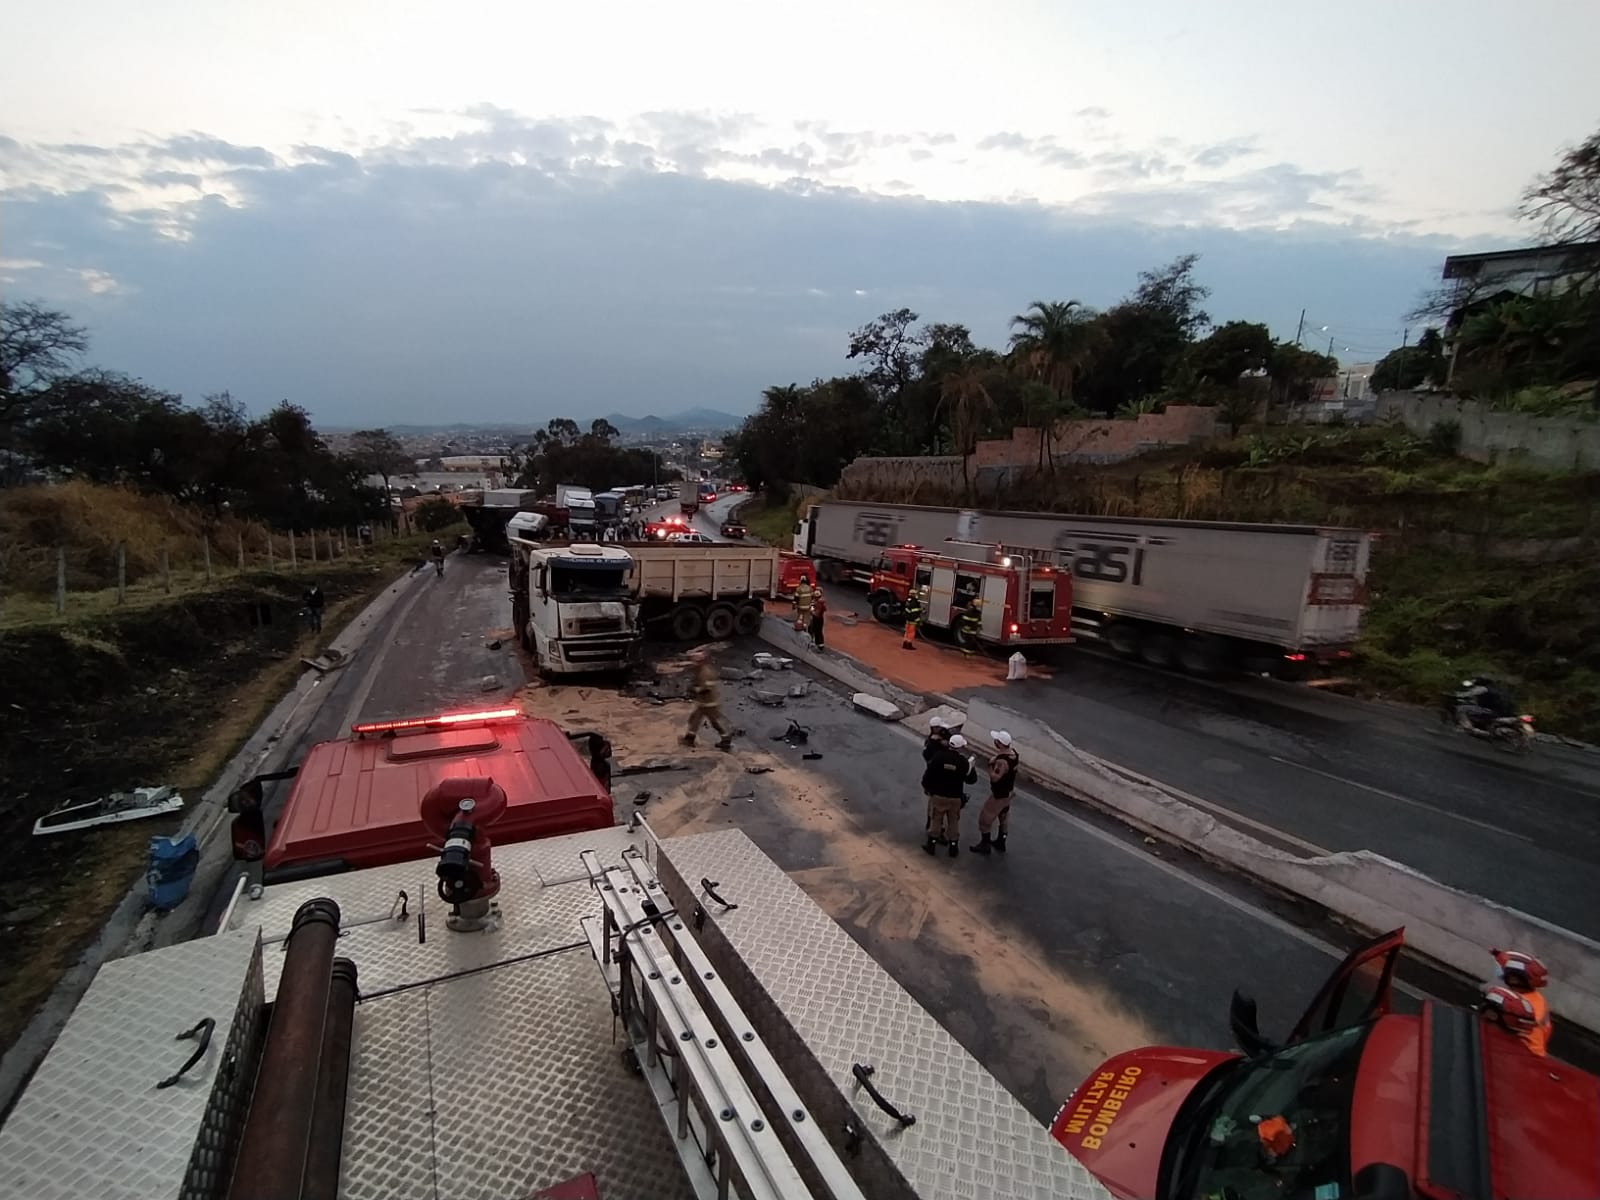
(354, 802)
(1361, 1102)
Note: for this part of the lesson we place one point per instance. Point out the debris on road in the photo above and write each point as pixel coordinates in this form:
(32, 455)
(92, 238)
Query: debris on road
(133, 805)
(811, 757)
(489, 683)
(758, 770)
(641, 797)
(877, 706)
(767, 661)
(798, 691)
(650, 765)
(796, 735)
(324, 662)
(770, 699)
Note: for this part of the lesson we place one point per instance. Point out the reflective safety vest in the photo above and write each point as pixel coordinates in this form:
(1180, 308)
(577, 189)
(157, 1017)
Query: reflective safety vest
(971, 621)
(912, 608)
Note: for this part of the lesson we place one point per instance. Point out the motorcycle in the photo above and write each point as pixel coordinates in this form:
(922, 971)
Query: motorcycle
(1512, 734)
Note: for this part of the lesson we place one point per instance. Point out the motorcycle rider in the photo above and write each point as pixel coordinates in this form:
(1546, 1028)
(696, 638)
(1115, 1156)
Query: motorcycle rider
(1482, 700)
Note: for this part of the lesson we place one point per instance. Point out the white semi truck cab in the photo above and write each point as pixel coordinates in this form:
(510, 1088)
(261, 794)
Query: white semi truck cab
(574, 605)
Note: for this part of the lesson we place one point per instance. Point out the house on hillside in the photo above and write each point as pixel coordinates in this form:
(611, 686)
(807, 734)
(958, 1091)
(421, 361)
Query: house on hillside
(1481, 280)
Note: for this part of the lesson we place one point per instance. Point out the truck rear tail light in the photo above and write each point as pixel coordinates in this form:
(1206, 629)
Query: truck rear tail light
(1295, 657)
(463, 718)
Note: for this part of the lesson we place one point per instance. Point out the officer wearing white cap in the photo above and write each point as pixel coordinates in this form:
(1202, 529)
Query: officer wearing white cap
(938, 737)
(1002, 782)
(943, 782)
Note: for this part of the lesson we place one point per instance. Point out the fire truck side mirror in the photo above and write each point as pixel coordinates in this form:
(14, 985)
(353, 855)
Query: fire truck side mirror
(247, 798)
(1246, 1032)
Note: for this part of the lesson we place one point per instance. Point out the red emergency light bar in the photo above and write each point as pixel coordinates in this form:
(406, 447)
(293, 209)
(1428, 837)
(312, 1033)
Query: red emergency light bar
(464, 718)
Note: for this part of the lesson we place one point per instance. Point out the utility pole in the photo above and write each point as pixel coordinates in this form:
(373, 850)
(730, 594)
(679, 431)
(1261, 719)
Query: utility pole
(1405, 336)
(1300, 328)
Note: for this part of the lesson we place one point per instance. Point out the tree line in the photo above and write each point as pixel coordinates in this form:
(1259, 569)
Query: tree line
(59, 420)
(927, 388)
(563, 452)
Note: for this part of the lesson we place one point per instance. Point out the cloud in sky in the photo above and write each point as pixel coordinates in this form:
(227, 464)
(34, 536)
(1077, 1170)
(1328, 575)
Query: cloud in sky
(487, 264)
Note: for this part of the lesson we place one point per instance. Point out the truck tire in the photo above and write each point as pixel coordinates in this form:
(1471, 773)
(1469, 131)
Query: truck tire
(721, 622)
(747, 621)
(1202, 654)
(1158, 649)
(688, 623)
(886, 608)
(1124, 639)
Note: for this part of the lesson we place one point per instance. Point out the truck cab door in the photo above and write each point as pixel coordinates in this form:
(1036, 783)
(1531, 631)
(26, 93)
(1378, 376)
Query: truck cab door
(1357, 991)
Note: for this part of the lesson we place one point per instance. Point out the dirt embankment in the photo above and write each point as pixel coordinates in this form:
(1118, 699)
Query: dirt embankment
(142, 697)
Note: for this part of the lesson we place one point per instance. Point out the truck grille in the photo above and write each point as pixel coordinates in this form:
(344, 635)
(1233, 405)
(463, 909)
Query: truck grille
(587, 625)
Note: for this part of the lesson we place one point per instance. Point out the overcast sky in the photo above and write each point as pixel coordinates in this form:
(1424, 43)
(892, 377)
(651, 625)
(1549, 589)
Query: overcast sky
(397, 212)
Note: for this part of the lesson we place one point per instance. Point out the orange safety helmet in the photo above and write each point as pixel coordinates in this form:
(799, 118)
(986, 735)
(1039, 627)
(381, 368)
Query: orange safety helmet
(1522, 971)
(1510, 1008)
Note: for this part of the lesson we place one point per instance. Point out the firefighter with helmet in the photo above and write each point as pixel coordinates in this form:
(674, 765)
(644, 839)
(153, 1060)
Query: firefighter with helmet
(1513, 999)
(912, 611)
(969, 625)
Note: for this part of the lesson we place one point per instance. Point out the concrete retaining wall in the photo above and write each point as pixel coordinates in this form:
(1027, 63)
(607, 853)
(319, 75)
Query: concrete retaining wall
(1450, 926)
(1561, 443)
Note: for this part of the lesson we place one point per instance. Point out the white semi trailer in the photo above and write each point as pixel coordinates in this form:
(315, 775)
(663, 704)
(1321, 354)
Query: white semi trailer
(1201, 595)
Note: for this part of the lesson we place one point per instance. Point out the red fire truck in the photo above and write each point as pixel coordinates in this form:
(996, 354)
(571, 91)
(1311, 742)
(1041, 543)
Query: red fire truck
(1362, 1103)
(1025, 598)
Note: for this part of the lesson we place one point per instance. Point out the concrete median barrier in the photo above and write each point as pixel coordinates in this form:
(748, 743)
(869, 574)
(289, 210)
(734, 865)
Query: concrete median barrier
(1450, 926)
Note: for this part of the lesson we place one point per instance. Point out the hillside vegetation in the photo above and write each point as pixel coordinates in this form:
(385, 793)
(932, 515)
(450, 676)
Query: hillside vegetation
(161, 688)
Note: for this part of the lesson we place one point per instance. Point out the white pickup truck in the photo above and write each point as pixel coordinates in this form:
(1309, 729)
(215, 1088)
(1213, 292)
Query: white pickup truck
(586, 606)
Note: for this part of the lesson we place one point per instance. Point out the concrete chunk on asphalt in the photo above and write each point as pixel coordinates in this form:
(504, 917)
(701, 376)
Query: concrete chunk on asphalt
(922, 722)
(877, 706)
(770, 699)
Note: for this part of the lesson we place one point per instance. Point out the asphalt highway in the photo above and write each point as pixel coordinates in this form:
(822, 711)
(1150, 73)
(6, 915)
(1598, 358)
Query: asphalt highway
(1325, 773)
(1081, 942)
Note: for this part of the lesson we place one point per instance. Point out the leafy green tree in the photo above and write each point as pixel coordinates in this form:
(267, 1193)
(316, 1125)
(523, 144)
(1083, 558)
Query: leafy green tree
(381, 453)
(1237, 408)
(1052, 341)
(1229, 351)
(38, 346)
(1295, 373)
(1144, 338)
(1566, 200)
(1411, 366)
(434, 514)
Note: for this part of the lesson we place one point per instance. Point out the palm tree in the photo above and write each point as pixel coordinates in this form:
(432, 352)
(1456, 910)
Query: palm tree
(965, 393)
(1052, 341)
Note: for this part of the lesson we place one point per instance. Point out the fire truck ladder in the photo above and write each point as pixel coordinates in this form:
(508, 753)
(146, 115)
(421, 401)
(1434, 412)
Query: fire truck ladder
(666, 993)
(1036, 556)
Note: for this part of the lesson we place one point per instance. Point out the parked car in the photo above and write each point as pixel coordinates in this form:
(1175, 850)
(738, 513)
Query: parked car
(691, 536)
(732, 529)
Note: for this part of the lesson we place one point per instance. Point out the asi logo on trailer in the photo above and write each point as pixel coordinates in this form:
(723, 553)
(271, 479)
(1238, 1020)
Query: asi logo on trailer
(876, 529)
(1105, 557)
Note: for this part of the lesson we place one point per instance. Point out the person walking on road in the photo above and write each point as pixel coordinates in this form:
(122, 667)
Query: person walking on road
(436, 554)
(1002, 782)
(706, 693)
(819, 609)
(314, 602)
(943, 782)
(912, 610)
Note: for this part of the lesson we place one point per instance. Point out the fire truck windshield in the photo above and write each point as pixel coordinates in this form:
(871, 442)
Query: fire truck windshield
(1273, 1127)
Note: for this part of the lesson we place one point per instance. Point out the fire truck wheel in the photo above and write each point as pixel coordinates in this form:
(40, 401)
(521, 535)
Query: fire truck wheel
(747, 621)
(886, 609)
(687, 623)
(720, 622)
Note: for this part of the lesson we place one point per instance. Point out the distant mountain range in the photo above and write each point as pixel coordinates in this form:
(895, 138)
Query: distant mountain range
(708, 419)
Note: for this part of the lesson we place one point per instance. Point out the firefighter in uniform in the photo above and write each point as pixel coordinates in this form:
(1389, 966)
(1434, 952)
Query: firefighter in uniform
(802, 604)
(969, 625)
(1514, 998)
(912, 610)
(707, 696)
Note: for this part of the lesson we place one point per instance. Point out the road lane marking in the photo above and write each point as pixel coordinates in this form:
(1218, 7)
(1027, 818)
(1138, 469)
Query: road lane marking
(1396, 796)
